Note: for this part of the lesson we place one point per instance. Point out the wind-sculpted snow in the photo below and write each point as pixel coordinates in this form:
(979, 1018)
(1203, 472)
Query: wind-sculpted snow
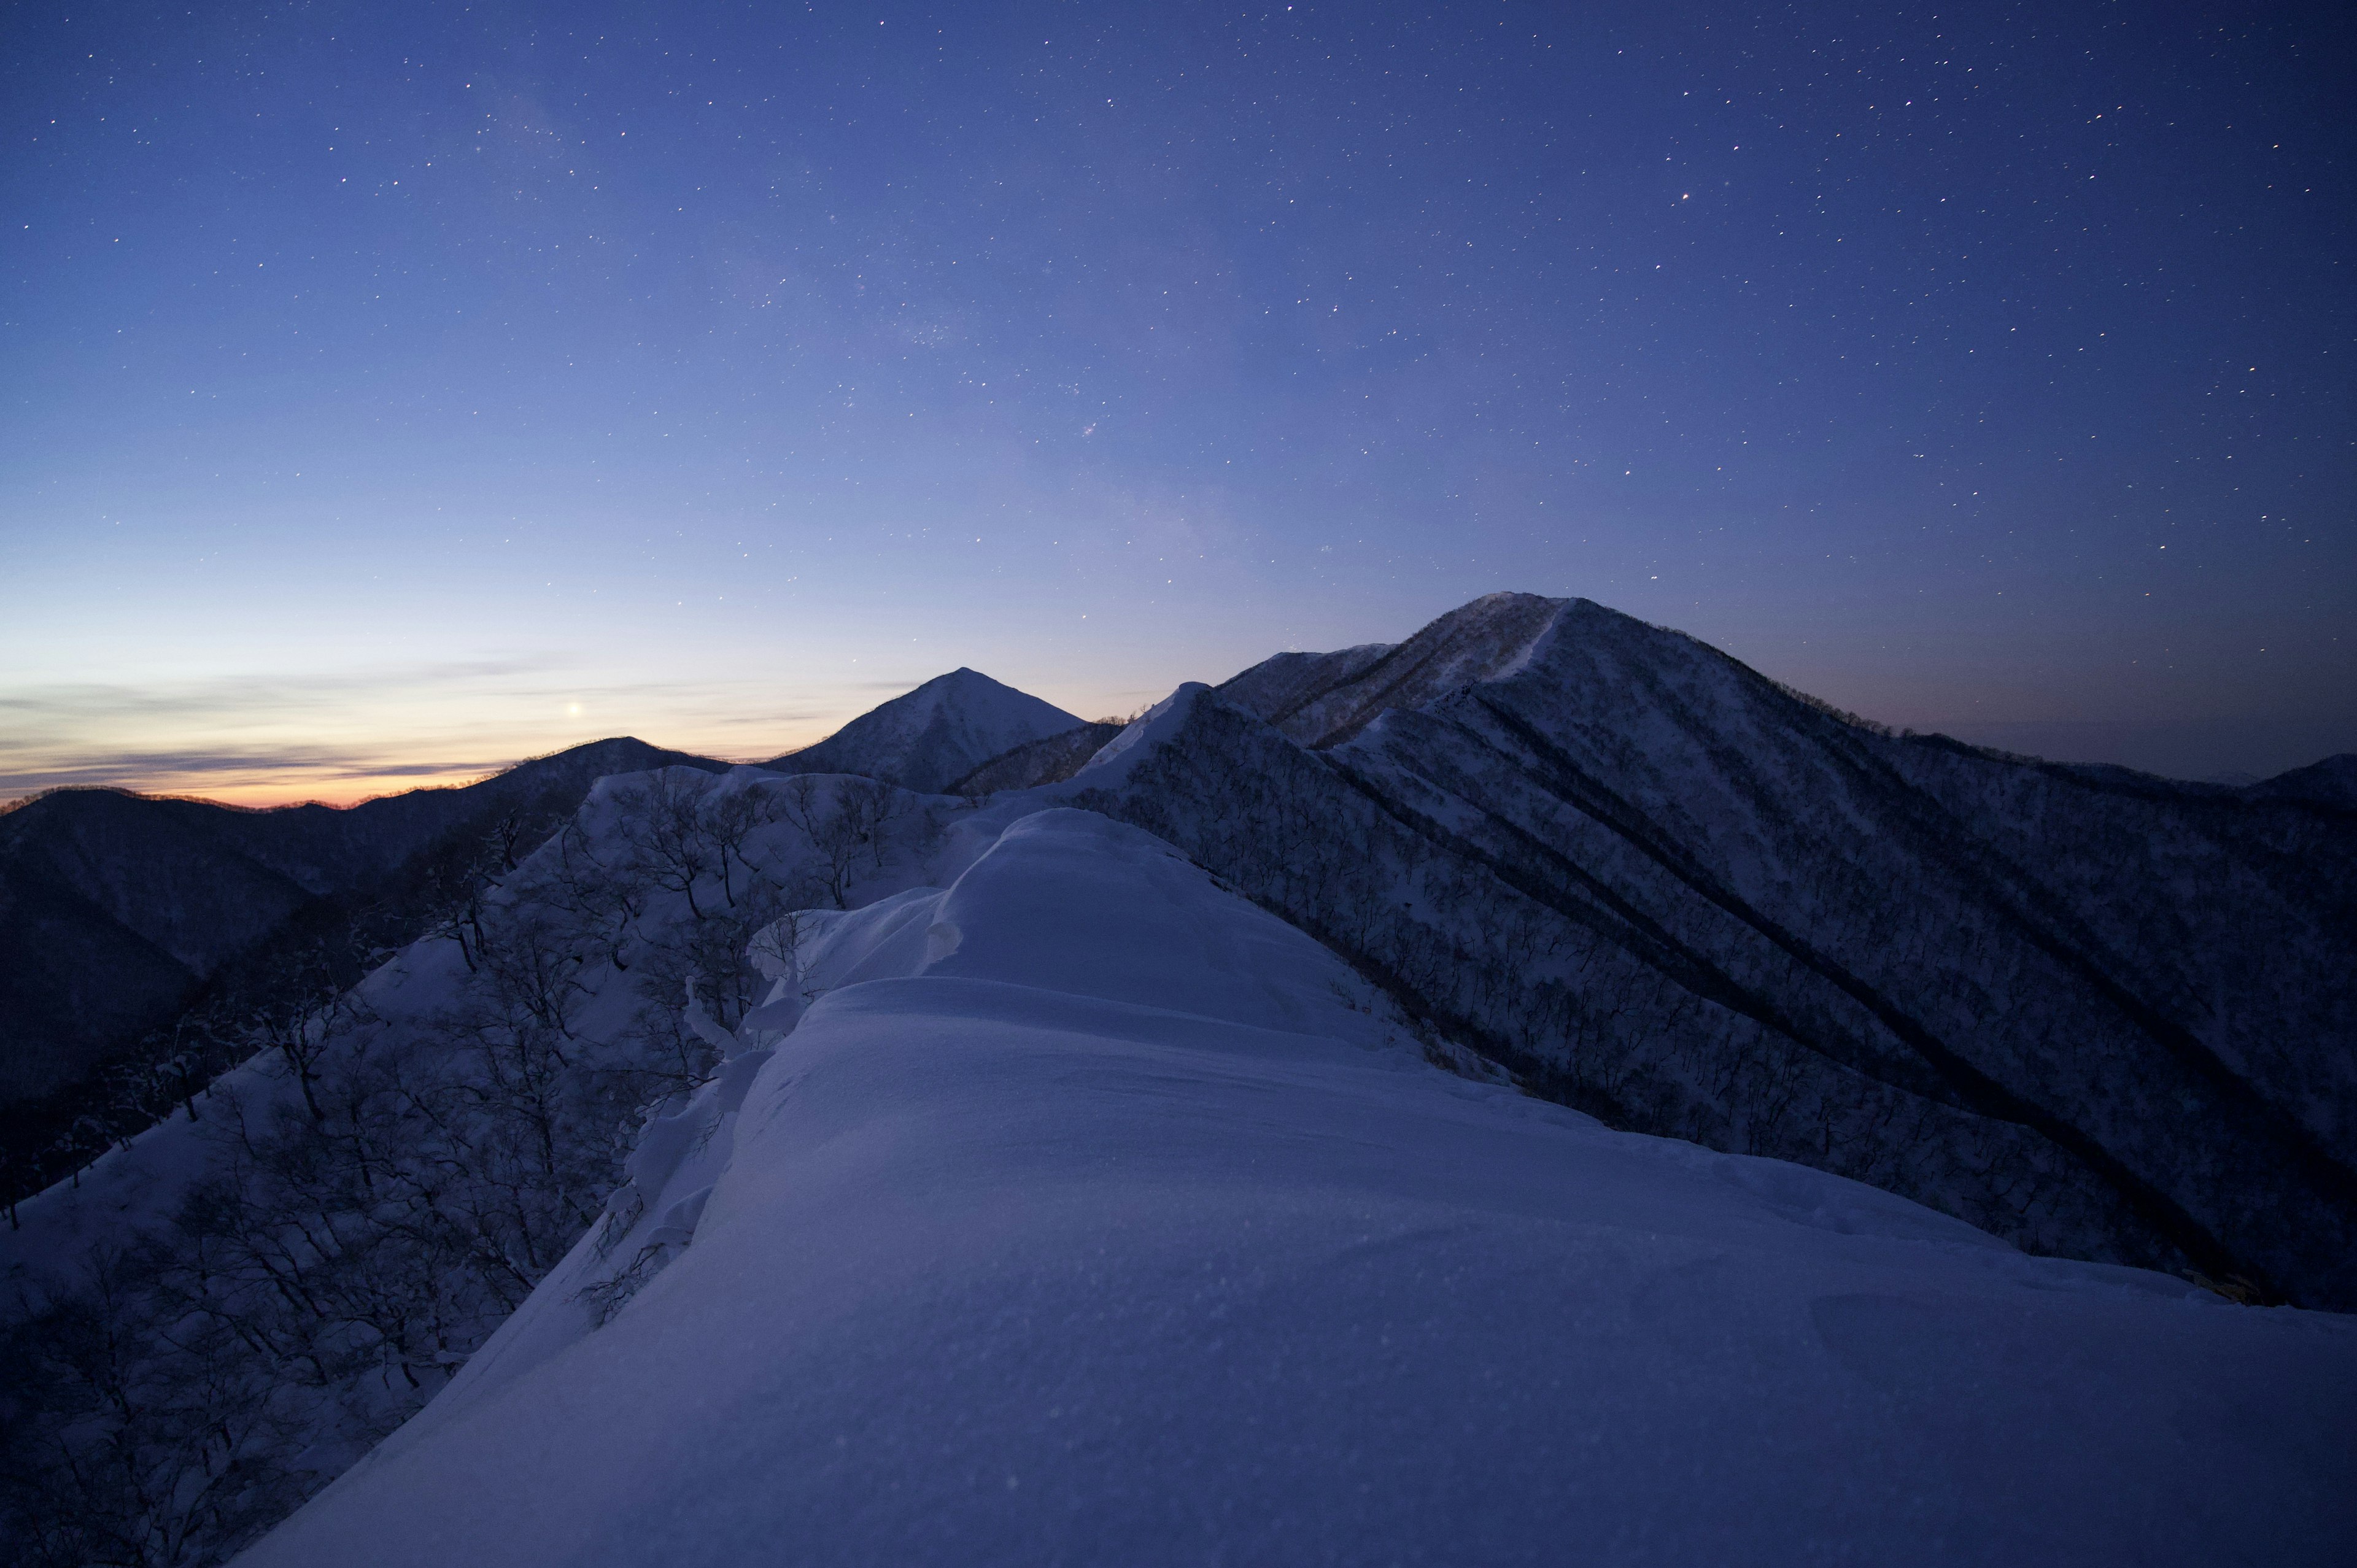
(2104, 1020)
(935, 734)
(1081, 1212)
(884, 1176)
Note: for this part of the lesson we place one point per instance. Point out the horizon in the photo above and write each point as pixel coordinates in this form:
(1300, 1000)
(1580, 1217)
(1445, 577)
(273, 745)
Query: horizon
(264, 796)
(405, 393)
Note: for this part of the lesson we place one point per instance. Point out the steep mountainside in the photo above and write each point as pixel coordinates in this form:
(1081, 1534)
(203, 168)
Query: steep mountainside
(2101, 1018)
(115, 908)
(223, 1310)
(1335, 695)
(1286, 681)
(2331, 782)
(1037, 762)
(937, 734)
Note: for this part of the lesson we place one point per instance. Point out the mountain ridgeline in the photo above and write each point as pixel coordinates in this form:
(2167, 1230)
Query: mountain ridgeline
(144, 940)
(2099, 1013)
(146, 943)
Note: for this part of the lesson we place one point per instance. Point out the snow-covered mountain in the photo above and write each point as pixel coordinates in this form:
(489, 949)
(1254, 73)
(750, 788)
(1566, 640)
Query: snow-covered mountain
(1037, 762)
(123, 918)
(1322, 699)
(115, 908)
(2100, 1014)
(1233, 1138)
(934, 735)
(1090, 1214)
(299, 1256)
(2331, 782)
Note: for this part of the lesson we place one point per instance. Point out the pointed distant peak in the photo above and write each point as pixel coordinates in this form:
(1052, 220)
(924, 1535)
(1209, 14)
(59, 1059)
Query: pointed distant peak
(965, 676)
(938, 732)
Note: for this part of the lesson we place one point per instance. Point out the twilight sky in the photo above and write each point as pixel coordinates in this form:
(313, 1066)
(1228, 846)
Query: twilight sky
(391, 392)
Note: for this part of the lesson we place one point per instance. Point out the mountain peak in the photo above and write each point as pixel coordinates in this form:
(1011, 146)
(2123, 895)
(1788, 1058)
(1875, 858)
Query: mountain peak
(928, 737)
(1322, 700)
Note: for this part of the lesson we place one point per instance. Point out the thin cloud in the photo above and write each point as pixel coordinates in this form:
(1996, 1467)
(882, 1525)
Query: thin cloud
(347, 734)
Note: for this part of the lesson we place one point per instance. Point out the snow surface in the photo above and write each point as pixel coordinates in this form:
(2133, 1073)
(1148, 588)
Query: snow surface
(929, 738)
(138, 1183)
(1091, 1214)
(2105, 1017)
(1320, 700)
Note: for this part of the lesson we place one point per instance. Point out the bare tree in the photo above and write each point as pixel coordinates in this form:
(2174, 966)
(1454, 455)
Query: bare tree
(602, 901)
(673, 848)
(732, 820)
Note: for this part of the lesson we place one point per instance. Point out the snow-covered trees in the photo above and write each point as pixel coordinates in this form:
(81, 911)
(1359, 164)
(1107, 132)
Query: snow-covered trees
(401, 1162)
(2098, 1016)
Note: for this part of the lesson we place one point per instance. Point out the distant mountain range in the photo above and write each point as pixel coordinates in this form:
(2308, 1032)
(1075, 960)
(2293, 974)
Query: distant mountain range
(2094, 1011)
(120, 912)
(116, 908)
(502, 1095)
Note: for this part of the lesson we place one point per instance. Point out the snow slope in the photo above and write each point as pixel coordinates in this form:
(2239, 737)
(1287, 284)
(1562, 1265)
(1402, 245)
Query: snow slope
(1283, 681)
(933, 735)
(115, 906)
(1091, 1215)
(1322, 700)
(287, 1278)
(2103, 1016)
(1037, 762)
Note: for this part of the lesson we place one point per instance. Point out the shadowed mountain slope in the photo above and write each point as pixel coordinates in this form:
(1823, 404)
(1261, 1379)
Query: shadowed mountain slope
(1288, 681)
(2331, 782)
(1322, 700)
(115, 906)
(2100, 1017)
(1047, 761)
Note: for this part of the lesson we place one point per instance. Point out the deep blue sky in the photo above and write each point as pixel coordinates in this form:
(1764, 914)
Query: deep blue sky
(393, 390)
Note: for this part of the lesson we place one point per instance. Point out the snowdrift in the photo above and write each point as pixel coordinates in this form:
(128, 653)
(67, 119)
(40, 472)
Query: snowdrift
(1090, 1214)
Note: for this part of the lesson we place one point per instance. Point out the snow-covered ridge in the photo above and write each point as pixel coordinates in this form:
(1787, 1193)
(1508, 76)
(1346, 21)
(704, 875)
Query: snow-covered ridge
(2102, 1021)
(1089, 1214)
(1657, 886)
(1322, 700)
(1037, 762)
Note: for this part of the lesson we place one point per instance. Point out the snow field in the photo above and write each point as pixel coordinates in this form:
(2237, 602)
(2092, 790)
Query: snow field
(1090, 1214)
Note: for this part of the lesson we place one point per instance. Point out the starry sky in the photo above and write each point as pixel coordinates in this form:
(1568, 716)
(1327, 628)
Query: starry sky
(393, 392)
